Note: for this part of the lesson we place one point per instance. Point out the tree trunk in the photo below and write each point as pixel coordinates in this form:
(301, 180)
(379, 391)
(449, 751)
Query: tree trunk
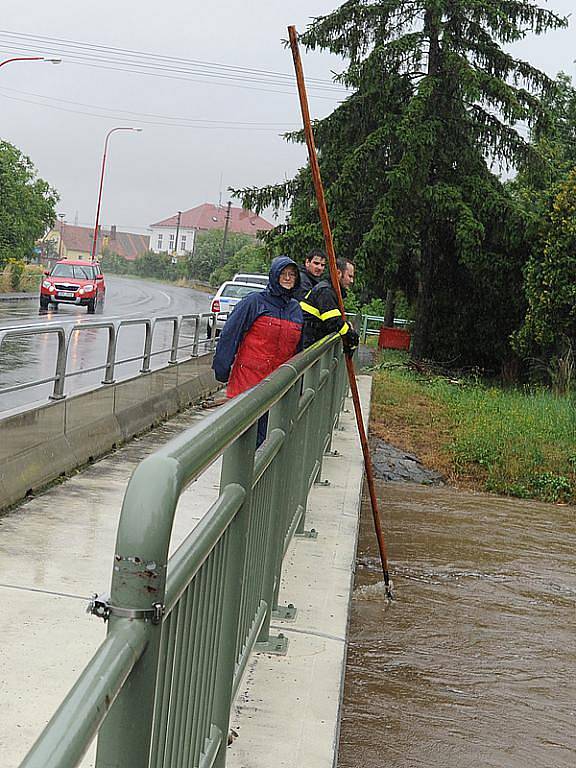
(390, 307)
(425, 301)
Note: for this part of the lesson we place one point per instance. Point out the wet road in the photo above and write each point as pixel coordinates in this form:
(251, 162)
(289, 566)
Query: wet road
(32, 358)
(474, 663)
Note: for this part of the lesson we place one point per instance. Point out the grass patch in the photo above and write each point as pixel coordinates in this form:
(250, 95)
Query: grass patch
(512, 442)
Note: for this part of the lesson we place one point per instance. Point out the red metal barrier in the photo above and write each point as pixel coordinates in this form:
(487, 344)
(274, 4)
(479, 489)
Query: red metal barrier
(393, 338)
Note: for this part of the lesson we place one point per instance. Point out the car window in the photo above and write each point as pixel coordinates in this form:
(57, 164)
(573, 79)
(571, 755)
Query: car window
(233, 291)
(78, 271)
(247, 278)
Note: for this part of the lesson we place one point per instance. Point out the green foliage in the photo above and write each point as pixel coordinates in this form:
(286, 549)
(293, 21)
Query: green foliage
(27, 204)
(17, 267)
(156, 265)
(253, 258)
(522, 440)
(17, 276)
(406, 162)
(208, 256)
(112, 262)
(550, 322)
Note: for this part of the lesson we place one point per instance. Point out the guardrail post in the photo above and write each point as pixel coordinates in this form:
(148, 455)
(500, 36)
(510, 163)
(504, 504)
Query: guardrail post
(196, 342)
(213, 335)
(110, 356)
(147, 354)
(176, 323)
(138, 583)
(238, 468)
(282, 417)
(60, 372)
(310, 460)
(364, 329)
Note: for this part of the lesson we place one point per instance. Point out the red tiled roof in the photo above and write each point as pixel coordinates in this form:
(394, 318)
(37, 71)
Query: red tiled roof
(210, 216)
(125, 244)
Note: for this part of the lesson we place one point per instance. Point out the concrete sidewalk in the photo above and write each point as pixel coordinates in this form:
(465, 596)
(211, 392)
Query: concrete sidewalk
(56, 549)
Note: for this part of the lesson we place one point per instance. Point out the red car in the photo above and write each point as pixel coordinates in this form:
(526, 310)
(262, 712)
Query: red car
(73, 282)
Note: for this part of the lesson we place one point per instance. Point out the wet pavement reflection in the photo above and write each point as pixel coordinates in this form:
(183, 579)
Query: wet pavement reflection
(474, 663)
(27, 359)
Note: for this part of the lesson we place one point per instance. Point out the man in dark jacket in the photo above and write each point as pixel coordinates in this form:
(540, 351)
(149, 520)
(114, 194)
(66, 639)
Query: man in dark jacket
(311, 273)
(322, 315)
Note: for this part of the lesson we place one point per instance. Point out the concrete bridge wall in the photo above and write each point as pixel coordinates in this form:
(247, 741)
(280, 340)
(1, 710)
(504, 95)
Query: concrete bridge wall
(39, 444)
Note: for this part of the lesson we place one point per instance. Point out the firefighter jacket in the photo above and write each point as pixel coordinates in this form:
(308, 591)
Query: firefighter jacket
(263, 331)
(322, 315)
(307, 282)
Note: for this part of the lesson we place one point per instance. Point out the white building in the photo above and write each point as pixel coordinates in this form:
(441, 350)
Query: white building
(203, 218)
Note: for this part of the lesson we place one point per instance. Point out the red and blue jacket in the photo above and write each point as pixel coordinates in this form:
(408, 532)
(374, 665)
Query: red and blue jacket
(262, 332)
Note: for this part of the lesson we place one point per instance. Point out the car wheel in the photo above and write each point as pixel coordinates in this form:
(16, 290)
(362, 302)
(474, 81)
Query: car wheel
(91, 306)
(44, 303)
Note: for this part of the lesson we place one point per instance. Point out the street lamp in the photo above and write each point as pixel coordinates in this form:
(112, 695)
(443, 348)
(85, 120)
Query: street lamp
(96, 225)
(30, 58)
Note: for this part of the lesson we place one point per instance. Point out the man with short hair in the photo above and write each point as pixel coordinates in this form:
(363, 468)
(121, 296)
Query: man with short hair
(311, 272)
(322, 315)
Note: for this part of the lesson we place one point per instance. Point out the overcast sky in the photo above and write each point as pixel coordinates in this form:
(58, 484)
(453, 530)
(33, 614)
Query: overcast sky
(59, 115)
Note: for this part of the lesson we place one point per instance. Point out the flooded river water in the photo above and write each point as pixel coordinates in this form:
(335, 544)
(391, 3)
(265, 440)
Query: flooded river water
(474, 663)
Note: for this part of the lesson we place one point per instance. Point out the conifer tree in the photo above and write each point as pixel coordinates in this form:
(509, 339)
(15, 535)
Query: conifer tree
(406, 159)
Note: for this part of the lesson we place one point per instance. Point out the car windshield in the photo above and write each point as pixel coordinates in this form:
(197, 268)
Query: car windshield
(78, 271)
(233, 291)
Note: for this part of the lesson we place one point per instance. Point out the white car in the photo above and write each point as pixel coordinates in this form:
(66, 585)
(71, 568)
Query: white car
(245, 277)
(226, 298)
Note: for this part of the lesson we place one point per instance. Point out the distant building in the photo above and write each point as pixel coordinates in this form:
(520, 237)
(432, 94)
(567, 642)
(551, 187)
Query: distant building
(77, 242)
(203, 218)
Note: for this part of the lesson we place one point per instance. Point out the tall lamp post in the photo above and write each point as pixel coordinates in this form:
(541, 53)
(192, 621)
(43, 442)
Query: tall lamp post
(30, 58)
(97, 224)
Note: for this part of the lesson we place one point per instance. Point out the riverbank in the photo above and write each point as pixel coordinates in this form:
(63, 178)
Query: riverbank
(478, 437)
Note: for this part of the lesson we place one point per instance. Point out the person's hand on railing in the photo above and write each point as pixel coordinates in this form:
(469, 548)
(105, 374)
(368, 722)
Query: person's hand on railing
(350, 342)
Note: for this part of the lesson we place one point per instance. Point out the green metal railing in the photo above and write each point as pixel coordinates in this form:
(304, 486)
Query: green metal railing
(159, 690)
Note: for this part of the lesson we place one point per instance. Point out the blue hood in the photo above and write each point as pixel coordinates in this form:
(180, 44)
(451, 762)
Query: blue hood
(276, 267)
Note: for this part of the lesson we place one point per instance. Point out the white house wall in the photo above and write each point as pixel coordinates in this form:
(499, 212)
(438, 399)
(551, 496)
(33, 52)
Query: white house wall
(162, 240)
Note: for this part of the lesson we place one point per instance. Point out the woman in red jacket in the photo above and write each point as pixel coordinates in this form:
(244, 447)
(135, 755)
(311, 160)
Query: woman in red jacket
(262, 332)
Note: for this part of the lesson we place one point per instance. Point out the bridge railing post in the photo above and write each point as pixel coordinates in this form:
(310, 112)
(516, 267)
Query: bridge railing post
(238, 468)
(282, 417)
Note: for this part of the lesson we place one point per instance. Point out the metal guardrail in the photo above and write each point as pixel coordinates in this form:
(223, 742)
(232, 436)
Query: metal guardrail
(66, 331)
(160, 688)
(369, 321)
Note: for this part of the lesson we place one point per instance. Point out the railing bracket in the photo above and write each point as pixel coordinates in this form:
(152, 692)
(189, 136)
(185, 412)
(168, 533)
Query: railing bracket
(278, 646)
(311, 534)
(99, 605)
(285, 612)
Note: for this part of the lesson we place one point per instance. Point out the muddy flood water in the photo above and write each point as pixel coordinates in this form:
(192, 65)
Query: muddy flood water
(474, 663)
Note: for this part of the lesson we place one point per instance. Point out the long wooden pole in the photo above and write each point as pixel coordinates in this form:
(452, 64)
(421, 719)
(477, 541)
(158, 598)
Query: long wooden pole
(336, 285)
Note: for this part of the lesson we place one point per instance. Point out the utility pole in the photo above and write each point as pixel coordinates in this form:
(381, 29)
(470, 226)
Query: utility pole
(225, 231)
(60, 244)
(177, 233)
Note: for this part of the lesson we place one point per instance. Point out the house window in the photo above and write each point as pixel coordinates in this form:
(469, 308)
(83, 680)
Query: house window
(160, 238)
(171, 242)
(183, 243)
